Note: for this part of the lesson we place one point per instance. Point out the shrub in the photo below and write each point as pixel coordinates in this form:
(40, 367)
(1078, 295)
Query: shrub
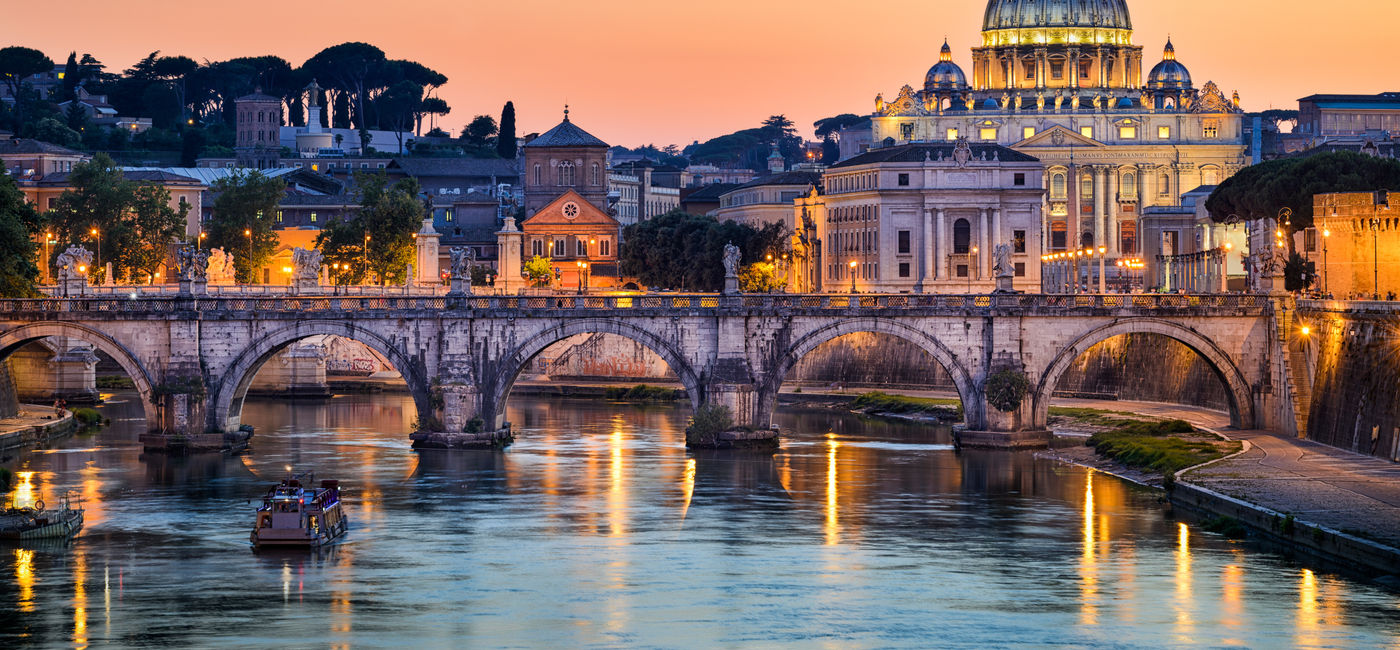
(1151, 445)
(474, 425)
(1227, 526)
(6, 478)
(1006, 390)
(115, 382)
(709, 421)
(87, 416)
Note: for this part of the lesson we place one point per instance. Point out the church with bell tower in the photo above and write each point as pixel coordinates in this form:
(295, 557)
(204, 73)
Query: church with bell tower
(1062, 81)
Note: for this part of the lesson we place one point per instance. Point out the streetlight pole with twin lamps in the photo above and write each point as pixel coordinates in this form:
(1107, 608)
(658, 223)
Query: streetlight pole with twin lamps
(97, 263)
(853, 276)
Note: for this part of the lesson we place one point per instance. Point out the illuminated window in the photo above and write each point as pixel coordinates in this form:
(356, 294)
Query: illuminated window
(906, 131)
(1211, 129)
(1086, 187)
(952, 134)
(1057, 186)
(988, 133)
(1164, 133)
(1129, 186)
(1027, 132)
(1127, 133)
(1057, 70)
(1086, 131)
(447, 215)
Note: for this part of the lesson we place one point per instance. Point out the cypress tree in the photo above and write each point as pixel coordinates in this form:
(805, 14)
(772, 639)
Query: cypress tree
(505, 135)
(71, 77)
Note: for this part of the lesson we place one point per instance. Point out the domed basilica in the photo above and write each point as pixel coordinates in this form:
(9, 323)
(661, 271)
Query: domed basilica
(1061, 80)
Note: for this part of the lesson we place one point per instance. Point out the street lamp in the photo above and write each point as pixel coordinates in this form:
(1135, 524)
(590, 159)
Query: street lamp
(1326, 234)
(364, 252)
(972, 264)
(248, 232)
(1103, 287)
(853, 276)
(49, 241)
(199, 241)
(97, 264)
(582, 266)
(1375, 258)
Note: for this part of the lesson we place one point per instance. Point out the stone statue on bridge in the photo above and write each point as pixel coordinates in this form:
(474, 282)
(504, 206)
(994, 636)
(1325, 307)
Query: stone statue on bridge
(220, 268)
(74, 264)
(306, 267)
(194, 265)
(1003, 270)
(731, 268)
(461, 280)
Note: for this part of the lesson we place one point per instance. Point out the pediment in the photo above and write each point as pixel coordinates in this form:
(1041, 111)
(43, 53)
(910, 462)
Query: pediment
(1058, 136)
(571, 209)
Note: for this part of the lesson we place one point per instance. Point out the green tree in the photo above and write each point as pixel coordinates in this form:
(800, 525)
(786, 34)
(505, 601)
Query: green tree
(18, 223)
(55, 132)
(378, 240)
(830, 125)
(16, 63)
(682, 251)
(539, 271)
(480, 131)
(505, 139)
(76, 117)
(153, 226)
(350, 68)
(1261, 191)
(1299, 273)
(761, 277)
(245, 210)
(97, 198)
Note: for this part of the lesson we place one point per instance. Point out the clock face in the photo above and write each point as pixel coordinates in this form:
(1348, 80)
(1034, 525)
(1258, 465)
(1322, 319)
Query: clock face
(570, 210)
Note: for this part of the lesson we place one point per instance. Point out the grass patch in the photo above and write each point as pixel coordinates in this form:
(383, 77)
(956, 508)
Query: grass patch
(87, 416)
(1227, 526)
(643, 393)
(115, 382)
(1162, 447)
(1095, 416)
(878, 402)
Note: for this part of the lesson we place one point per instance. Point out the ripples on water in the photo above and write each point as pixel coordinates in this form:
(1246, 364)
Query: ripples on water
(597, 528)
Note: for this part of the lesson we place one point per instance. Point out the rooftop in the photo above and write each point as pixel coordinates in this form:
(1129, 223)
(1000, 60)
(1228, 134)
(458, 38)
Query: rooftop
(567, 134)
(21, 146)
(457, 167)
(921, 151)
(784, 178)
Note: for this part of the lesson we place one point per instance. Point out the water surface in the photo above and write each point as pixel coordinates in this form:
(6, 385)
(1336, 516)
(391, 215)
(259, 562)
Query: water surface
(598, 529)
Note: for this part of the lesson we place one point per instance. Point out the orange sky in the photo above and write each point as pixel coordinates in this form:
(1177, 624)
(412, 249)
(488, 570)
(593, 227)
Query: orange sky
(643, 71)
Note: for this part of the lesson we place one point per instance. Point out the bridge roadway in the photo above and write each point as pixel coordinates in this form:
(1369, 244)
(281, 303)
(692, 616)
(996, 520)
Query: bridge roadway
(193, 358)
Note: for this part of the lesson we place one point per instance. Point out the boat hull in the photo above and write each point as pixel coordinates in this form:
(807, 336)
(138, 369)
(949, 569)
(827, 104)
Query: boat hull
(62, 528)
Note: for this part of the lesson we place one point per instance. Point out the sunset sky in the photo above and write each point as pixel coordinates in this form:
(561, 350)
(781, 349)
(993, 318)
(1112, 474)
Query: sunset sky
(638, 72)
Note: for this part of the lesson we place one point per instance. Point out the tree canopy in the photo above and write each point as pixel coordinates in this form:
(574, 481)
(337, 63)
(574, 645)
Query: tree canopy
(18, 224)
(1261, 191)
(244, 210)
(378, 240)
(684, 251)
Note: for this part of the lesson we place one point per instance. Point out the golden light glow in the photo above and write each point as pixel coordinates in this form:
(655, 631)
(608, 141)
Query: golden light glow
(1305, 330)
(80, 636)
(617, 487)
(1184, 622)
(1307, 622)
(687, 486)
(24, 577)
(833, 507)
(1088, 563)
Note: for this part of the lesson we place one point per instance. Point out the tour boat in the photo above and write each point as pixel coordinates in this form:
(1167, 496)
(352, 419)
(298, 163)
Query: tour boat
(293, 516)
(38, 522)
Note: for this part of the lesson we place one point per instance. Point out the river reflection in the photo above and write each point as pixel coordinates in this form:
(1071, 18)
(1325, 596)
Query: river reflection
(598, 528)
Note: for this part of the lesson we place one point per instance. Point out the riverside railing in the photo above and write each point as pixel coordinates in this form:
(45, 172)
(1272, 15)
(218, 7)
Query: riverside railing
(949, 303)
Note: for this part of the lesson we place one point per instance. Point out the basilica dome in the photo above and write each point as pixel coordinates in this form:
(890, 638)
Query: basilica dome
(1170, 74)
(945, 75)
(1034, 14)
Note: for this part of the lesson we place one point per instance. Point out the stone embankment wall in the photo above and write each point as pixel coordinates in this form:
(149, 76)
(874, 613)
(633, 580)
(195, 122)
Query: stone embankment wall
(1145, 367)
(9, 402)
(1355, 362)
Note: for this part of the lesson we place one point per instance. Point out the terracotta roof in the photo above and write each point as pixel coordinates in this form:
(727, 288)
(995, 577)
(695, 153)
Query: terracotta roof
(785, 178)
(917, 152)
(567, 134)
(32, 146)
(485, 167)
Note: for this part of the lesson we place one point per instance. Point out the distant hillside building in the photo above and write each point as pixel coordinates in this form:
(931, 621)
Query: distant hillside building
(565, 158)
(257, 143)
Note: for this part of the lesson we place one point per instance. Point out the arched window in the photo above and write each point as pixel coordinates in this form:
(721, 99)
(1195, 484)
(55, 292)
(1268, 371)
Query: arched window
(1086, 187)
(962, 237)
(1086, 240)
(1164, 184)
(1127, 237)
(1210, 176)
(596, 181)
(1129, 185)
(566, 174)
(539, 175)
(1057, 185)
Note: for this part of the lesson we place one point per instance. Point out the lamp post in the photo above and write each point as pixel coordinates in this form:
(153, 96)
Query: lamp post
(48, 268)
(1375, 258)
(1103, 282)
(580, 277)
(199, 241)
(972, 265)
(1326, 234)
(248, 232)
(364, 257)
(853, 276)
(97, 262)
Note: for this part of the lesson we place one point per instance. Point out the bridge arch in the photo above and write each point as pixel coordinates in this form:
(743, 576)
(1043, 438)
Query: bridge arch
(1237, 388)
(12, 340)
(966, 387)
(226, 407)
(497, 387)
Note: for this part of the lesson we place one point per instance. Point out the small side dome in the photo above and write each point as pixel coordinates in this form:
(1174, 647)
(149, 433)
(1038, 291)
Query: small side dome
(945, 75)
(1170, 74)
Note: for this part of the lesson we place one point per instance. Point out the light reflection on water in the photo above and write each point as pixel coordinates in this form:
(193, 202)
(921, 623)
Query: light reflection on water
(598, 528)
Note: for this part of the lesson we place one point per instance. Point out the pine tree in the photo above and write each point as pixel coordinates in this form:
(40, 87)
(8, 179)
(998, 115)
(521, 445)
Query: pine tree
(505, 135)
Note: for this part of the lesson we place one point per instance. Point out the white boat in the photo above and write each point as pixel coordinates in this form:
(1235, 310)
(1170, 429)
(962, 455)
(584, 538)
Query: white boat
(293, 516)
(39, 522)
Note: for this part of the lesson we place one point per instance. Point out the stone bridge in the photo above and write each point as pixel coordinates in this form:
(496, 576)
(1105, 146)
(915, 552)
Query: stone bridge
(193, 358)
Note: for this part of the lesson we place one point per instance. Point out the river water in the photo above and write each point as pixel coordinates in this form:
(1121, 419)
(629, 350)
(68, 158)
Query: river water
(598, 529)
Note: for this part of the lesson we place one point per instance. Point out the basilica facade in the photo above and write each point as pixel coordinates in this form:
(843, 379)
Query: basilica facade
(1061, 81)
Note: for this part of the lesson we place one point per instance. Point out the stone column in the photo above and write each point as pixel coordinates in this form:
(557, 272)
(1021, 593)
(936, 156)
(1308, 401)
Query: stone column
(425, 246)
(1111, 215)
(940, 256)
(510, 243)
(1100, 203)
(1073, 63)
(926, 245)
(984, 252)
